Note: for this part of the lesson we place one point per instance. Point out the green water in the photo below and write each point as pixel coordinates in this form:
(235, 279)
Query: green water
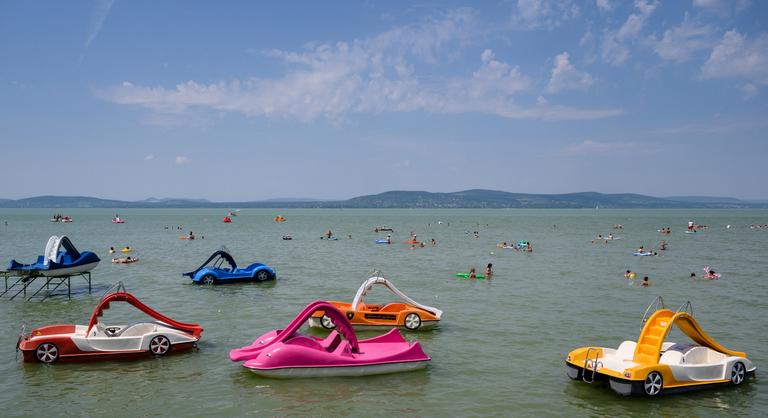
(498, 351)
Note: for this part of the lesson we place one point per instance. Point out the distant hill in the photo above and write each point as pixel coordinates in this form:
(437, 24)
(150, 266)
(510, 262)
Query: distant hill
(292, 199)
(497, 199)
(167, 199)
(476, 198)
(705, 199)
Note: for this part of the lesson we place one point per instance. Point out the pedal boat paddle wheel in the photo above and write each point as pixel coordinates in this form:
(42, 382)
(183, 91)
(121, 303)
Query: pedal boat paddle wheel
(97, 341)
(287, 353)
(407, 313)
(652, 366)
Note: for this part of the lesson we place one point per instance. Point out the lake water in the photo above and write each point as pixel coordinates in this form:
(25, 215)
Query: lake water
(499, 349)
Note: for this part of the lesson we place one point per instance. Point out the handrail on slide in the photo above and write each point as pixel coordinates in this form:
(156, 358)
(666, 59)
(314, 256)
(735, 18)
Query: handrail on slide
(115, 288)
(687, 307)
(653, 307)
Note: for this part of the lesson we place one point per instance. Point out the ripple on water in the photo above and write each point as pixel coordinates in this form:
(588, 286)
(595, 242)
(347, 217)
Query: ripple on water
(499, 350)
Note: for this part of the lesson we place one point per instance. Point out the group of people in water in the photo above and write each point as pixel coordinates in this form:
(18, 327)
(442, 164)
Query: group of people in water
(123, 260)
(524, 246)
(605, 239)
(663, 245)
(629, 274)
(488, 272)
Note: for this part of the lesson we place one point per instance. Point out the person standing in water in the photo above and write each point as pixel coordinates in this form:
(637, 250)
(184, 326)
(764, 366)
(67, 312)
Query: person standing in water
(489, 271)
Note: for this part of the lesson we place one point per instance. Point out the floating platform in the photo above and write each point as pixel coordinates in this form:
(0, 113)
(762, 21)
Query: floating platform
(21, 283)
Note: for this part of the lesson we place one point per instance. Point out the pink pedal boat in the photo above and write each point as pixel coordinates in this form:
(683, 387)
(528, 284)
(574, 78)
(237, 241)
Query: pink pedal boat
(287, 353)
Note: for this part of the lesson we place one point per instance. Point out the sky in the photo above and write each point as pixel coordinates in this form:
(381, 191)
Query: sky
(241, 100)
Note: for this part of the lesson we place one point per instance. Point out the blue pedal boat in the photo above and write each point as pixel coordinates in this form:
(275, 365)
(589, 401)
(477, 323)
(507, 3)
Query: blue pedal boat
(221, 268)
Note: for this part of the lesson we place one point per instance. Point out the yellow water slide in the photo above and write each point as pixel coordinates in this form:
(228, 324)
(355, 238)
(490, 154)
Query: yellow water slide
(657, 328)
(688, 325)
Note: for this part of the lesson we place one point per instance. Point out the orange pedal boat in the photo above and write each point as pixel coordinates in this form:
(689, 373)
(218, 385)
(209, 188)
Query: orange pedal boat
(407, 313)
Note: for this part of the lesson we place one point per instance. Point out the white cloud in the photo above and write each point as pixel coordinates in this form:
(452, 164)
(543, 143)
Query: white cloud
(615, 45)
(635, 22)
(681, 42)
(735, 56)
(722, 7)
(750, 90)
(149, 157)
(709, 4)
(596, 147)
(182, 160)
(371, 76)
(98, 16)
(604, 5)
(548, 14)
(566, 77)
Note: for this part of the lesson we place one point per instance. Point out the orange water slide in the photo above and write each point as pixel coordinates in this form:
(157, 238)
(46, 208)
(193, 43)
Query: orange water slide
(657, 327)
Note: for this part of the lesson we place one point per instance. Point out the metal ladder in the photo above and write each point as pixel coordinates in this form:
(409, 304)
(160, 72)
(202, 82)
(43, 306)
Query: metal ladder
(596, 364)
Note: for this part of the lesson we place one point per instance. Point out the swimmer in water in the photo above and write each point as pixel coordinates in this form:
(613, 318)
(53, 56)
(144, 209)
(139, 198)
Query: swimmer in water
(111, 250)
(489, 270)
(629, 274)
(645, 282)
(472, 274)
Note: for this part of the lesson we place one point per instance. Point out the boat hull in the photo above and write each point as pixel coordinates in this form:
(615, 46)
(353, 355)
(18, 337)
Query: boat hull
(315, 322)
(66, 271)
(340, 371)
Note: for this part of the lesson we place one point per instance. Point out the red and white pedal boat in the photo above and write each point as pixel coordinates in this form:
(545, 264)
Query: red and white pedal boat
(97, 341)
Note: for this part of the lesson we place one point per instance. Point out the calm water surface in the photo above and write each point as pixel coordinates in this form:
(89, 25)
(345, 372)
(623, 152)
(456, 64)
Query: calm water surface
(498, 351)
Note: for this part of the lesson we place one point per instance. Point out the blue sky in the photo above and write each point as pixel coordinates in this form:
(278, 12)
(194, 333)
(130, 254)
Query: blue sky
(249, 100)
